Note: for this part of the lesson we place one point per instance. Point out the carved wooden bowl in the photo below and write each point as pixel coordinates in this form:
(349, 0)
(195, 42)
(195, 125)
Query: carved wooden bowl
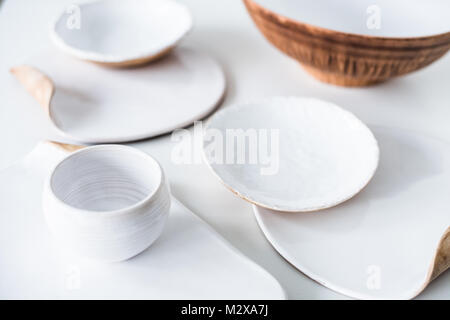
(343, 58)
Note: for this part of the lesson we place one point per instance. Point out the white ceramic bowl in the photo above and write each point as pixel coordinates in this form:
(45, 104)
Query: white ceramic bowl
(121, 33)
(106, 202)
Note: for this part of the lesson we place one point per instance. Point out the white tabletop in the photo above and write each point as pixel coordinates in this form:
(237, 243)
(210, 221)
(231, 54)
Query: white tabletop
(254, 69)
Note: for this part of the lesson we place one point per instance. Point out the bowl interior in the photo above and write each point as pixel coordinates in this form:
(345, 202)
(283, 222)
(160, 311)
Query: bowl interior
(105, 178)
(116, 30)
(398, 18)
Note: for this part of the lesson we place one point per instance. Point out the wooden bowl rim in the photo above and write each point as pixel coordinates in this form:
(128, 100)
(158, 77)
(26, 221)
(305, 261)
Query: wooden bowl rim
(440, 39)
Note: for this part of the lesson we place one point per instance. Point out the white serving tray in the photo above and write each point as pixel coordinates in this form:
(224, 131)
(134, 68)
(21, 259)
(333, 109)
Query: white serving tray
(189, 261)
(389, 241)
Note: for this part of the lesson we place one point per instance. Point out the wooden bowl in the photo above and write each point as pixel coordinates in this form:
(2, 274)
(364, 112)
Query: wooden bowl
(343, 58)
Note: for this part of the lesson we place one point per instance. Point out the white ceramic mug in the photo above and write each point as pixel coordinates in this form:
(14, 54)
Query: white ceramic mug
(106, 202)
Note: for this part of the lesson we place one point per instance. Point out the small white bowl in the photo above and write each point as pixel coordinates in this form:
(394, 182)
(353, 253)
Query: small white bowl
(106, 203)
(121, 33)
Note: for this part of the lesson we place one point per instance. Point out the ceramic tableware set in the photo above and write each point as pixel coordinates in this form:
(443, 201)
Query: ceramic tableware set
(100, 87)
(109, 203)
(396, 217)
(338, 199)
(392, 237)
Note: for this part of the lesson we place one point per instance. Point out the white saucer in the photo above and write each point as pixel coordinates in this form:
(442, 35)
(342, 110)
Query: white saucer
(307, 154)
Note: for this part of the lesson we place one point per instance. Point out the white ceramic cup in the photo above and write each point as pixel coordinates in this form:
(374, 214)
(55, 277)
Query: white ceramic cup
(107, 203)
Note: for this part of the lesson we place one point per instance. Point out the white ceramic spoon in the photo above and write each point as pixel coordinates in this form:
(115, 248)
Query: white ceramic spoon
(289, 153)
(390, 240)
(189, 261)
(118, 33)
(92, 104)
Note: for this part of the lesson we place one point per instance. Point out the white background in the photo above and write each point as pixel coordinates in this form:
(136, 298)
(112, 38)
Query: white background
(254, 69)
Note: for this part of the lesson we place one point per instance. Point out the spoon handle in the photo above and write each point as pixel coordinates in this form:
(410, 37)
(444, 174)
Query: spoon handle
(69, 148)
(36, 83)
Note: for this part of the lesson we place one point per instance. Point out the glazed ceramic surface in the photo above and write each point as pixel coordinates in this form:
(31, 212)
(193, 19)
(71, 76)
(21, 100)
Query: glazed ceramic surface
(121, 33)
(398, 18)
(106, 203)
(417, 102)
(311, 154)
(390, 240)
(188, 261)
(92, 104)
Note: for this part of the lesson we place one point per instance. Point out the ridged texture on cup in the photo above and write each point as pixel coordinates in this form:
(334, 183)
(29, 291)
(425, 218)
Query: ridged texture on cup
(130, 219)
(347, 59)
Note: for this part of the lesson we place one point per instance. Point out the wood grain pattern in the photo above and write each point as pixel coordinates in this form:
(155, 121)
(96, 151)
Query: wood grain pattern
(67, 147)
(347, 59)
(37, 84)
(442, 258)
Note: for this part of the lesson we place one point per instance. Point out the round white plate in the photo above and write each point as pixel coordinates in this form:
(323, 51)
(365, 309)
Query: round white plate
(292, 154)
(384, 18)
(189, 261)
(118, 32)
(93, 104)
(382, 243)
